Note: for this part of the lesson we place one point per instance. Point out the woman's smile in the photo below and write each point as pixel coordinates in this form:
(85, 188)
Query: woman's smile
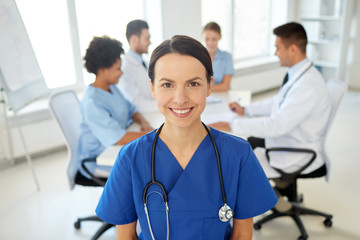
(181, 112)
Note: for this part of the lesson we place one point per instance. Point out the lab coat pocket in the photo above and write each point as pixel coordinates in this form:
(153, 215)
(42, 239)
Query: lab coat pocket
(213, 228)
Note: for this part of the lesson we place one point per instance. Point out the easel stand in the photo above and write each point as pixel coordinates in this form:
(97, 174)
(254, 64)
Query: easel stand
(27, 155)
(6, 126)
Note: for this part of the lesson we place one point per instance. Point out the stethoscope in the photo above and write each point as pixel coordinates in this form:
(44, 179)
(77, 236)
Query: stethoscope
(225, 212)
(300, 75)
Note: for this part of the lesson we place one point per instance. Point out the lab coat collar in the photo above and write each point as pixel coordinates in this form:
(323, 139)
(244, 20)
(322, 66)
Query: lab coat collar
(297, 67)
(136, 56)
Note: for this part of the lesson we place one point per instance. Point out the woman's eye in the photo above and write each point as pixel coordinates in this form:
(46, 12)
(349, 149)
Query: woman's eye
(167, 85)
(194, 84)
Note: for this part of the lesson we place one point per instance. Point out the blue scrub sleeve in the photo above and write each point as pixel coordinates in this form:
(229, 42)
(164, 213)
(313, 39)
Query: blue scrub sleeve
(105, 128)
(229, 70)
(116, 205)
(132, 109)
(255, 194)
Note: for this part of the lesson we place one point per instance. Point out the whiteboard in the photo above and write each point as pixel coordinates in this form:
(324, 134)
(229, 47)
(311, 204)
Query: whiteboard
(20, 73)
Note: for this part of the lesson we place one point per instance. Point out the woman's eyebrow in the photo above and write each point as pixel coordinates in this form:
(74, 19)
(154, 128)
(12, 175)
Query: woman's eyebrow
(190, 80)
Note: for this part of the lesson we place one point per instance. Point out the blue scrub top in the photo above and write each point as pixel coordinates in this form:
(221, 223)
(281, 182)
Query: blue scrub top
(222, 65)
(105, 118)
(194, 194)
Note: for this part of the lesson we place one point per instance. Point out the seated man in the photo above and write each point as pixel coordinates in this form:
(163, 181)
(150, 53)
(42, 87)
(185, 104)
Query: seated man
(106, 114)
(295, 117)
(134, 83)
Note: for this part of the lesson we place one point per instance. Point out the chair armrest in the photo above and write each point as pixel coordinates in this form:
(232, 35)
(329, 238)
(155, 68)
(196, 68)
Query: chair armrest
(291, 176)
(97, 180)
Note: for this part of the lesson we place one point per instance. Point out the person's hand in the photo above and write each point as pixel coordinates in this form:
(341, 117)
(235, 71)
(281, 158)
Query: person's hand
(222, 126)
(236, 108)
(145, 127)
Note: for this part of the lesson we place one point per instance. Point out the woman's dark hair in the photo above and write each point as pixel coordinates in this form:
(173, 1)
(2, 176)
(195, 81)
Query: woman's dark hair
(213, 26)
(292, 33)
(183, 45)
(102, 53)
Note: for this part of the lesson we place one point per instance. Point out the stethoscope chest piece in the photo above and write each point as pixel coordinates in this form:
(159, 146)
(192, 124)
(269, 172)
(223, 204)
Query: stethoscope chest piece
(225, 213)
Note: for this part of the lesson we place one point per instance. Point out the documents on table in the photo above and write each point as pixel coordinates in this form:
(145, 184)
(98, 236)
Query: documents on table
(221, 117)
(108, 156)
(241, 97)
(210, 99)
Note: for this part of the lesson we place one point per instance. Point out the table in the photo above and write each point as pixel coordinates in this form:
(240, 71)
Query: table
(217, 109)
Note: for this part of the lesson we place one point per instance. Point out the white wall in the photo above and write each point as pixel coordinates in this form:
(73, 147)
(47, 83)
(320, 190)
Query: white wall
(182, 17)
(258, 81)
(353, 62)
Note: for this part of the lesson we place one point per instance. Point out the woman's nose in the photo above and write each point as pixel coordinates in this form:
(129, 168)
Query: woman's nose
(180, 97)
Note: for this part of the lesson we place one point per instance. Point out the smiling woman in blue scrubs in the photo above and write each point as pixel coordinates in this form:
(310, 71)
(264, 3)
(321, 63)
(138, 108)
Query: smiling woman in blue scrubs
(185, 162)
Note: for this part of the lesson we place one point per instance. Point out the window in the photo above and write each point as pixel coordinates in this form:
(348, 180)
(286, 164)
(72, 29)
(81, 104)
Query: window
(218, 11)
(49, 34)
(48, 27)
(246, 25)
(107, 17)
(251, 22)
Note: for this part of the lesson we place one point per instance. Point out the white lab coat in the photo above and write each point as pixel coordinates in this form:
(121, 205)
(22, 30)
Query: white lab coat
(134, 85)
(296, 120)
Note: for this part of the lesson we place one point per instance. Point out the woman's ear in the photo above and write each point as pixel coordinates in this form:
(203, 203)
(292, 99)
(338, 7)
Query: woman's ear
(210, 86)
(101, 72)
(152, 89)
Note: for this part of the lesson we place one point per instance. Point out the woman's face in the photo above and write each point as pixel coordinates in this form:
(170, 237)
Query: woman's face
(180, 88)
(114, 72)
(211, 40)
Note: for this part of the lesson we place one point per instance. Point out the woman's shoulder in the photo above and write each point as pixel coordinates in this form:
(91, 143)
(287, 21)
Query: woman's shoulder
(132, 149)
(231, 141)
(92, 98)
(234, 151)
(224, 54)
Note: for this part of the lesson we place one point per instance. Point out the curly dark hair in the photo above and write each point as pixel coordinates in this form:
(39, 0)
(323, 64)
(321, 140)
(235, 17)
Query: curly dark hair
(102, 53)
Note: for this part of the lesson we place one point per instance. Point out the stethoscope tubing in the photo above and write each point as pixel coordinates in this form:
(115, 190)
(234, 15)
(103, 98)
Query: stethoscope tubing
(301, 74)
(218, 163)
(153, 170)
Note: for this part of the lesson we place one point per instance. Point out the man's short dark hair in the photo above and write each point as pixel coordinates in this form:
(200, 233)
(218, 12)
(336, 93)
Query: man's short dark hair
(135, 27)
(292, 33)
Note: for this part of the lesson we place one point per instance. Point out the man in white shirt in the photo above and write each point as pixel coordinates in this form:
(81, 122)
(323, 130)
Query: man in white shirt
(134, 83)
(296, 117)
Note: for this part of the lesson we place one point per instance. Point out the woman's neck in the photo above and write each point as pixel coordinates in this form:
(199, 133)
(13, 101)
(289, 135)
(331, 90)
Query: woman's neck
(183, 142)
(212, 55)
(101, 83)
(182, 138)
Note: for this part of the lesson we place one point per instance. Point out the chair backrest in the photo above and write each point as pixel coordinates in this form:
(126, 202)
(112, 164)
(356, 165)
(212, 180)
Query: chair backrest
(65, 107)
(336, 89)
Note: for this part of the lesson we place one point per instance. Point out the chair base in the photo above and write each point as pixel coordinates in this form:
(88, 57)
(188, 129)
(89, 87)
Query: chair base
(105, 226)
(295, 213)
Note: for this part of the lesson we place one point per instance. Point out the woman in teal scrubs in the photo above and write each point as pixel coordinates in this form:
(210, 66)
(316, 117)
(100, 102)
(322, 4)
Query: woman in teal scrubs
(185, 162)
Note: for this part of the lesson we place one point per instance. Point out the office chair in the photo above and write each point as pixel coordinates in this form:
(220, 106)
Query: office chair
(286, 185)
(65, 108)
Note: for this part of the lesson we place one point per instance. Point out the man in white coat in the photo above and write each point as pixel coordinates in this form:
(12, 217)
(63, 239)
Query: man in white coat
(134, 83)
(296, 117)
